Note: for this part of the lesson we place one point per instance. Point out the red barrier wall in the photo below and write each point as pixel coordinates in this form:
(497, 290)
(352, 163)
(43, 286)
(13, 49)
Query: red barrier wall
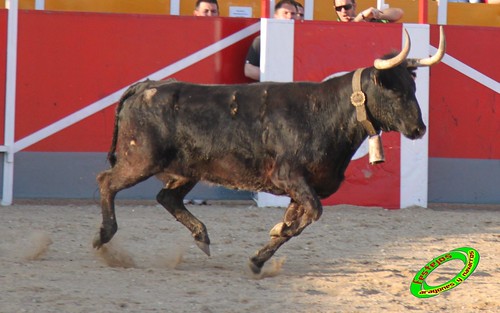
(67, 61)
(464, 113)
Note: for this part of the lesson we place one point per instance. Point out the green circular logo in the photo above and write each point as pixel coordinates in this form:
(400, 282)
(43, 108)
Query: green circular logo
(469, 256)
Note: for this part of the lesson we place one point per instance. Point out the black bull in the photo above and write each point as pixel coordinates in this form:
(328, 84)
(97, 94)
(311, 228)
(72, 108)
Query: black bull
(291, 139)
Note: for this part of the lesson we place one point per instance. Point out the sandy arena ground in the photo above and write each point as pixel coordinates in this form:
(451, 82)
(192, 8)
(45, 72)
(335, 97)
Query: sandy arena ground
(353, 259)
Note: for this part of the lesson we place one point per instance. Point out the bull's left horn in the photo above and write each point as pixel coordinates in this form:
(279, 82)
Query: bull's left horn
(381, 64)
(433, 59)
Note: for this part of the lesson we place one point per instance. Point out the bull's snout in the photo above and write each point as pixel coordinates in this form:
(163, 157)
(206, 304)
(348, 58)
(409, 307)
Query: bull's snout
(418, 132)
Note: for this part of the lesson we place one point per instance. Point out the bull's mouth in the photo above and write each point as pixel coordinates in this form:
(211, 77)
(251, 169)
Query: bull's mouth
(416, 133)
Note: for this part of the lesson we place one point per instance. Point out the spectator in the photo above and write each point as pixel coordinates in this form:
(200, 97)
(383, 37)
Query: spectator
(206, 8)
(284, 9)
(346, 12)
(300, 12)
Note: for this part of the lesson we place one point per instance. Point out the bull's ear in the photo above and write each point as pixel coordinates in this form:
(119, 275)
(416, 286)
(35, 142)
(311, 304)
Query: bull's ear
(385, 79)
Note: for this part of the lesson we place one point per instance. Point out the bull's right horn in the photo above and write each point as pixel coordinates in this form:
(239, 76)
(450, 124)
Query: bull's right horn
(433, 59)
(381, 64)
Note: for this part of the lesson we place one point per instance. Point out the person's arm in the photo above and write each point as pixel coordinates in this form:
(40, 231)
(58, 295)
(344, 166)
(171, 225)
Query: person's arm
(390, 14)
(252, 71)
(252, 61)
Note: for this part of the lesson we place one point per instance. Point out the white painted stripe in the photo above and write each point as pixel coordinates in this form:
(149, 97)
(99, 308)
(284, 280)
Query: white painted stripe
(114, 97)
(469, 71)
(205, 52)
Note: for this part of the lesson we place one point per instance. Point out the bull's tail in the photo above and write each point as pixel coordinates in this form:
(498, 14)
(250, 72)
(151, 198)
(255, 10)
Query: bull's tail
(132, 90)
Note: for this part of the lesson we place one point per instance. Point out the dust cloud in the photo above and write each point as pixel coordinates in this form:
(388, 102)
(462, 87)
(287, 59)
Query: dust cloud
(114, 254)
(35, 246)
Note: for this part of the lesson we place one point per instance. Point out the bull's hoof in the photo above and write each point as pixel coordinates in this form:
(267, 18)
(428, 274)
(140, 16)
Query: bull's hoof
(255, 265)
(205, 247)
(96, 242)
(202, 240)
(104, 235)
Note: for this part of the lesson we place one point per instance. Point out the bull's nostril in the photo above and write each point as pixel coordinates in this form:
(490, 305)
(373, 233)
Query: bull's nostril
(420, 132)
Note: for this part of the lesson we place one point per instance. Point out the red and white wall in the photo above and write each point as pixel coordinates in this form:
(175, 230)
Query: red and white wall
(315, 51)
(72, 68)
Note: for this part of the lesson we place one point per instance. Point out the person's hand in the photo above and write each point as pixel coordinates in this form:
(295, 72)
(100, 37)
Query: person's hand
(371, 13)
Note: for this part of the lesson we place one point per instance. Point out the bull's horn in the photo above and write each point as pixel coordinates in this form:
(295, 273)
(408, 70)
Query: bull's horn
(381, 64)
(436, 57)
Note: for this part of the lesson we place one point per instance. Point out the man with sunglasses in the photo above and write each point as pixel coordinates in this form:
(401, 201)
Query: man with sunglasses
(346, 12)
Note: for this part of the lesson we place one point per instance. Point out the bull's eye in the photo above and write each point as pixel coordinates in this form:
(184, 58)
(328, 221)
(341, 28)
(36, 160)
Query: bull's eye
(413, 72)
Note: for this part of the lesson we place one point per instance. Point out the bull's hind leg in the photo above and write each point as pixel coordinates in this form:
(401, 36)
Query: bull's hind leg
(171, 198)
(304, 208)
(110, 183)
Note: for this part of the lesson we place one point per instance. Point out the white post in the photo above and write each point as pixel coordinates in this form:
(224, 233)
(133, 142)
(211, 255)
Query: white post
(276, 52)
(381, 5)
(175, 7)
(442, 12)
(415, 153)
(271, 8)
(276, 64)
(10, 102)
(39, 4)
(309, 10)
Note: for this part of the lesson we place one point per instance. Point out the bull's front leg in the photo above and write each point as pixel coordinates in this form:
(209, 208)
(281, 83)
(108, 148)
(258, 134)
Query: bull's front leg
(109, 226)
(304, 208)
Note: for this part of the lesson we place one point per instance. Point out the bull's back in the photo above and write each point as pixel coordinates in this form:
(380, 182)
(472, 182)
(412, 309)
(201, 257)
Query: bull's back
(217, 117)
